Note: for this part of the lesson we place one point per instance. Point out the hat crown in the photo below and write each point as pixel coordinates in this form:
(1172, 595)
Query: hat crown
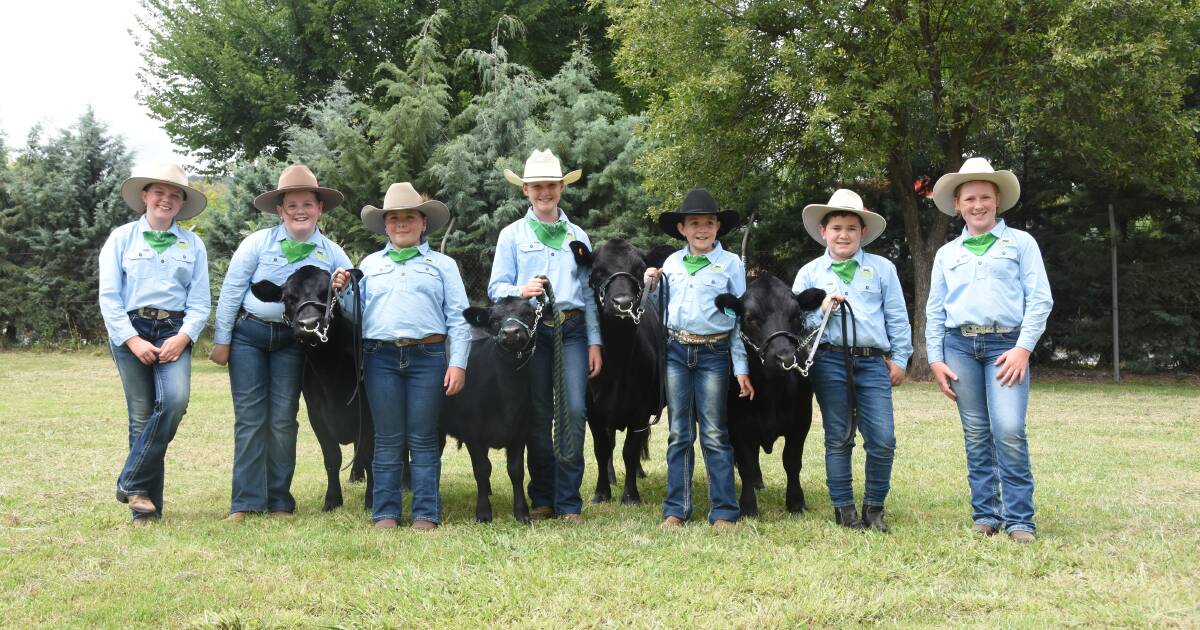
(165, 171)
(699, 199)
(401, 195)
(976, 165)
(542, 164)
(848, 199)
(297, 176)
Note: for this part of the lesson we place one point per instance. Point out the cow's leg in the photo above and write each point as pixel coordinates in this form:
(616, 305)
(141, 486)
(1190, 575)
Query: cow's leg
(793, 454)
(515, 453)
(331, 453)
(482, 468)
(612, 469)
(602, 447)
(631, 453)
(745, 455)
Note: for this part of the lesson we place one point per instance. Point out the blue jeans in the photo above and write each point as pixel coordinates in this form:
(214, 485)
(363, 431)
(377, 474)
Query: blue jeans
(697, 389)
(993, 420)
(156, 397)
(552, 483)
(266, 367)
(873, 392)
(404, 388)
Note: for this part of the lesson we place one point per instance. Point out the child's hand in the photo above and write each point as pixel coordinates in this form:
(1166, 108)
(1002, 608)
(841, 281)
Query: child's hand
(829, 300)
(650, 278)
(745, 389)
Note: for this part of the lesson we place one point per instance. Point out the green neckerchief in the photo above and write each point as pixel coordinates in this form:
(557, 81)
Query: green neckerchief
(845, 269)
(695, 263)
(160, 240)
(979, 245)
(551, 235)
(295, 250)
(403, 254)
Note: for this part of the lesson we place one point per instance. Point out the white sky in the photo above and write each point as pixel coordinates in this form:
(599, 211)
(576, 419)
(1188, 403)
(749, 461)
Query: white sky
(59, 56)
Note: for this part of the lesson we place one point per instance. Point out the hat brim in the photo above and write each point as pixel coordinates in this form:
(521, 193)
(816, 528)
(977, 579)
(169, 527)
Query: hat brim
(669, 222)
(437, 215)
(1005, 181)
(131, 192)
(267, 201)
(569, 178)
(873, 223)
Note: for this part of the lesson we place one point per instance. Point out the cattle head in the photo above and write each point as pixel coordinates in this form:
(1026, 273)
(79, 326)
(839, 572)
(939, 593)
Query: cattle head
(308, 300)
(616, 280)
(511, 322)
(773, 321)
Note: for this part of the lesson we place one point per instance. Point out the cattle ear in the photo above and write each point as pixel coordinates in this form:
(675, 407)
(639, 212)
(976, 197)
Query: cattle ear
(728, 302)
(810, 299)
(267, 291)
(477, 316)
(583, 255)
(658, 255)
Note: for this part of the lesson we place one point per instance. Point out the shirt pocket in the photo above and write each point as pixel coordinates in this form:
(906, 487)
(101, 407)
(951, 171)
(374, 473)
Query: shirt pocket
(140, 263)
(426, 280)
(379, 278)
(182, 264)
(530, 255)
(272, 267)
(1005, 264)
(960, 269)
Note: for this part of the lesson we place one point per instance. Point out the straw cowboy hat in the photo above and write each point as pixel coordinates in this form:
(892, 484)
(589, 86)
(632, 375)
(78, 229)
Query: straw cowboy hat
(542, 166)
(402, 196)
(698, 201)
(976, 169)
(194, 201)
(297, 178)
(843, 200)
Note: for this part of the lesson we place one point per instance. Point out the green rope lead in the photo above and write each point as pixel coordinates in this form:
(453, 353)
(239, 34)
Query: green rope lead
(566, 447)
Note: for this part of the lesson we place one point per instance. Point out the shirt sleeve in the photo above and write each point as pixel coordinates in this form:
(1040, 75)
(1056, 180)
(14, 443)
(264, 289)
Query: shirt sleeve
(199, 295)
(935, 312)
(454, 304)
(1038, 300)
(233, 290)
(504, 282)
(112, 280)
(895, 315)
(737, 286)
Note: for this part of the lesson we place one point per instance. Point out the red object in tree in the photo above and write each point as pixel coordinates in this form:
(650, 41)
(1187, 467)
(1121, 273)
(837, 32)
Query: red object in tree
(923, 187)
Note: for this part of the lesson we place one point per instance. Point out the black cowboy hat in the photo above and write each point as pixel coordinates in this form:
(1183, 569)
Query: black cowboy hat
(698, 201)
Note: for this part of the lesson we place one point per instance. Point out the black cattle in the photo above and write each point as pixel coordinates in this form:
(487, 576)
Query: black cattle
(626, 393)
(494, 407)
(331, 375)
(773, 327)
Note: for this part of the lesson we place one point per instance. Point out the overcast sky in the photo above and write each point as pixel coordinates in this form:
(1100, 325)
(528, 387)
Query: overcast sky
(57, 57)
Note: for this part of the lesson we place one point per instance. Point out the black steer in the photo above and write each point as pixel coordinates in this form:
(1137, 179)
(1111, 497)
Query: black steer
(626, 393)
(330, 375)
(773, 326)
(494, 407)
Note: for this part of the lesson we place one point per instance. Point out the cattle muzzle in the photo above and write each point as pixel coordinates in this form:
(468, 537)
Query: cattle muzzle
(318, 328)
(511, 328)
(626, 308)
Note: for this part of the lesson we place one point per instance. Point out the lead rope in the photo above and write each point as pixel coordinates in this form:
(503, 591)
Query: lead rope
(565, 449)
(851, 393)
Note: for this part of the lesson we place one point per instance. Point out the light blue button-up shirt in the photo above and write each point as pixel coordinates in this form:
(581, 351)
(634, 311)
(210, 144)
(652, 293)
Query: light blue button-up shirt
(260, 257)
(876, 297)
(422, 296)
(133, 276)
(1006, 286)
(520, 256)
(690, 306)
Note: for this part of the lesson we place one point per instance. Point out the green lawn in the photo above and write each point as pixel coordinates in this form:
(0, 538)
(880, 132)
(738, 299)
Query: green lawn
(1118, 511)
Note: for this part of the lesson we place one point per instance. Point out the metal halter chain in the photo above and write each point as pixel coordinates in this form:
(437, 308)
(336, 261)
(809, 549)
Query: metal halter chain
(633, 312)
(524, 354)
(321, 328)
(814, 338)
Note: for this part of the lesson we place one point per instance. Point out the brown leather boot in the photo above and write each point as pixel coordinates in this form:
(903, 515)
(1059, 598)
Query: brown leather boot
(672, 522)
(541, 512)
(423, 525)
(386, 523)
(1021, 536)
(141, 503)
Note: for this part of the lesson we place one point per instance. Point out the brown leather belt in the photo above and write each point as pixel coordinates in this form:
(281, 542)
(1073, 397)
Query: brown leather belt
(692, 339)
(404, 343)
(149, 312)
(855, 351)
(567, 316)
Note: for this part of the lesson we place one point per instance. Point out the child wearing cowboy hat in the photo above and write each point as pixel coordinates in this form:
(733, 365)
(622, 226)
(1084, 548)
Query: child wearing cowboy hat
(413, 298)
(154, 298)
(702, 343)
(529, 249)
(989, 299)
(853, 375)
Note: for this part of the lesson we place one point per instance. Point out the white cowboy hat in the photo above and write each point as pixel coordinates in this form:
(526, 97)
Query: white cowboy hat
(843, 200)
(402, 196)
(976, 169)
(543, 166)
(297, 178)
(194, 201)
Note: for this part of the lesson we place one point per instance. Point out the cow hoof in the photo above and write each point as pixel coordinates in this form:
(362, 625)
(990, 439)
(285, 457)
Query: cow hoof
(796, 508)
(483, 518)
(357, 477)
(631, 500)
(600, 497)
(331, 505)
(523, 519)
(749, 510)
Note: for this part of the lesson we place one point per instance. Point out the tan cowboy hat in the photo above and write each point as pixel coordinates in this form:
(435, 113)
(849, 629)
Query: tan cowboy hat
(543, 166)
(402, 196)
(297, 178)
(194, 201)
(843, 200)
(976, 169)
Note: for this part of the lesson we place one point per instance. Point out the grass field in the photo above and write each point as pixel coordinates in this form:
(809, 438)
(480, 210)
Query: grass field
(1118, 500)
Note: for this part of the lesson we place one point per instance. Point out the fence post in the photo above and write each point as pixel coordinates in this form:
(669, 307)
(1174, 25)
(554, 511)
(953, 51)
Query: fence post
(1116, 334)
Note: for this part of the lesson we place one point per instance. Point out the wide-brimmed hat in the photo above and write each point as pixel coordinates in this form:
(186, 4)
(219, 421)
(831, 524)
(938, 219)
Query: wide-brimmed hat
(976, 169)
(843, 200)
(297, 178)
(542, 166)
(698, 201)
(165, 173)
(402, 196)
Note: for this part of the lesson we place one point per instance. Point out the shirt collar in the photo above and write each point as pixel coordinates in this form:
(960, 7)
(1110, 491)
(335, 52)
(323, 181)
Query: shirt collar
(282, 233)
(562, 216)
(144, 226)
(717, 251)
(827, 259)
(422, 247)
(997, 229)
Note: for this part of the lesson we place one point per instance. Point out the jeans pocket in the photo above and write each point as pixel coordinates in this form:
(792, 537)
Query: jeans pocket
(433, 349)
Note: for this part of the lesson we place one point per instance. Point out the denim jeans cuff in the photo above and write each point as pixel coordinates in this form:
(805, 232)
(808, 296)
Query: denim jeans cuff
(1020, 528)
(679, 515)
(723, 515)
(993, 523)
(432, 518)
(375, 518)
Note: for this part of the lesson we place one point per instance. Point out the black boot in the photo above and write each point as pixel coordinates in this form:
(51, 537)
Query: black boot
(873, 518)
(847, 516)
